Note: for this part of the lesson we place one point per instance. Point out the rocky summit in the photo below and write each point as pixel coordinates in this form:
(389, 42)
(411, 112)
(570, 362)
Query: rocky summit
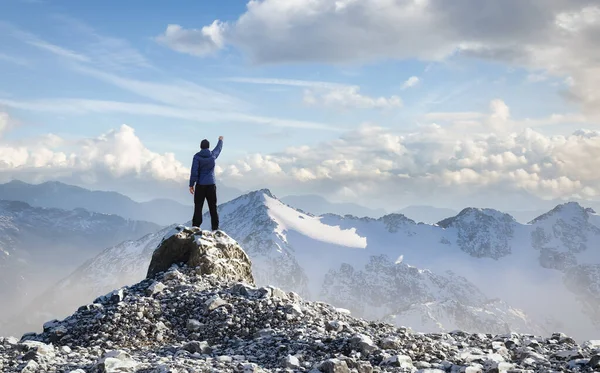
(197, 317)
(211, 253)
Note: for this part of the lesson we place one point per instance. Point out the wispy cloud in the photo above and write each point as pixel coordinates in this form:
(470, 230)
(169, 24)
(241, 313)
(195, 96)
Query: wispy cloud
(178, 99)
(39, 43)
(178, 93)
(288, 82)
(350, 98)
(14, 59)
(83, 106)
(104, 50)
(328, 94)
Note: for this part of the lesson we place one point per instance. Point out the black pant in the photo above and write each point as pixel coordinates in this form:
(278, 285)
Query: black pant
(208, 192)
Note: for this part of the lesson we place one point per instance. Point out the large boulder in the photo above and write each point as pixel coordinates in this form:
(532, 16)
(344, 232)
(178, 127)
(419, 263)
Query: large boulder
(212, 253)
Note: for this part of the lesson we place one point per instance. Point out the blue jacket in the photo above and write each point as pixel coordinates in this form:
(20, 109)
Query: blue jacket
(203, 166)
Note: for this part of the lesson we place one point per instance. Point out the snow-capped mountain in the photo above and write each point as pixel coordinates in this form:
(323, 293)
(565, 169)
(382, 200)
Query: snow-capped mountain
(383, 268)
(482, 233)
(39, 245)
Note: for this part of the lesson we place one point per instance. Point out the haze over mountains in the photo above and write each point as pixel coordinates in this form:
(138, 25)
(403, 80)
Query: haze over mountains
(38, 246)
(481, 267)
(165, 211)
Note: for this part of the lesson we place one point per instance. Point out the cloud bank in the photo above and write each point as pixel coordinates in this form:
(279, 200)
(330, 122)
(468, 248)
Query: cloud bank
(454, 157)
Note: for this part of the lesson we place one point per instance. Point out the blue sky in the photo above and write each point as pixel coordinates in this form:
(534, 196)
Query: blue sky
(79, 70)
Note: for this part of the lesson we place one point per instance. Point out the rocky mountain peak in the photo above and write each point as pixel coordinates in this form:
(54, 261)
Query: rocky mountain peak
(570, 211)
(482, 233)
(181, 320)
(473, 214)
(211, 253)
(395, 221)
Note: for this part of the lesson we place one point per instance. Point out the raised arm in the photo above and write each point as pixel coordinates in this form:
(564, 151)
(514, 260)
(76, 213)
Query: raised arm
(217, 150)
(194, 172)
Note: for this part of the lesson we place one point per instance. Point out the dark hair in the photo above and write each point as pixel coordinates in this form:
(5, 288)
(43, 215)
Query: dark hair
(204, 144)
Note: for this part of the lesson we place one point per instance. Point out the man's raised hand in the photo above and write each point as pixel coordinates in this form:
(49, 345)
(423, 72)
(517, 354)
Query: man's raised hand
(221, 138)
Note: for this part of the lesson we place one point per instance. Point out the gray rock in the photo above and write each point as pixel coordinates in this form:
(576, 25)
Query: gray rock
(198, 347)
(291, 362)
(30, 367)
(363, 343)
(594, 361)
(155, 288)
(334, 325)
(193, 325)
(116, 361)
(212, 253)
(214, 303)
(401, 361)
(334, 366)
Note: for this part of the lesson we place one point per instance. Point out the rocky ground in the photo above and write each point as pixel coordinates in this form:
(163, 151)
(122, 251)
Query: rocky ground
(188, 320)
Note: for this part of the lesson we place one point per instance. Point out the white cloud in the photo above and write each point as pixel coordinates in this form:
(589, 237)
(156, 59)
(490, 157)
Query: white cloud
(411, 82)
(116, 155)
(349, 98)
(443, 162)
(201, 42)
(379, 166)
(557, 37)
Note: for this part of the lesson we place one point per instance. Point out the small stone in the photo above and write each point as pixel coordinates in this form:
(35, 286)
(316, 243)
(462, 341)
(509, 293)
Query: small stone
(363, 343)
(225, 359)
(291, 362)
(30, 367)
(214, 303)
(334, 366)
(155, 288)
(390, 343)
(334, 325)
(198, 347)
(193, 325)
(402, 361)
(65, 349)
(294, 309)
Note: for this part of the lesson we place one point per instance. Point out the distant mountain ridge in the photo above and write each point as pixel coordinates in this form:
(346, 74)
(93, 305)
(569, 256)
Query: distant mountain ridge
(39, 244)
(391, 266)
(55, 194)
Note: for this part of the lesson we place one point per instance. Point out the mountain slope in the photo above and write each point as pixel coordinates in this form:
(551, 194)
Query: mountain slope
(191, 320)
(302, 253)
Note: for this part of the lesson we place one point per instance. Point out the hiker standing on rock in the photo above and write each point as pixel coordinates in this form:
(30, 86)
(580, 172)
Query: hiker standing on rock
(202, 182)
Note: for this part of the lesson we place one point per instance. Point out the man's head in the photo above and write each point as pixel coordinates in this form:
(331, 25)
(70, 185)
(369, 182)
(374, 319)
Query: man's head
(204, 144)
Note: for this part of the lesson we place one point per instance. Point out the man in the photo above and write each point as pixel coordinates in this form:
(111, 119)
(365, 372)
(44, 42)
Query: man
(202, 182)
